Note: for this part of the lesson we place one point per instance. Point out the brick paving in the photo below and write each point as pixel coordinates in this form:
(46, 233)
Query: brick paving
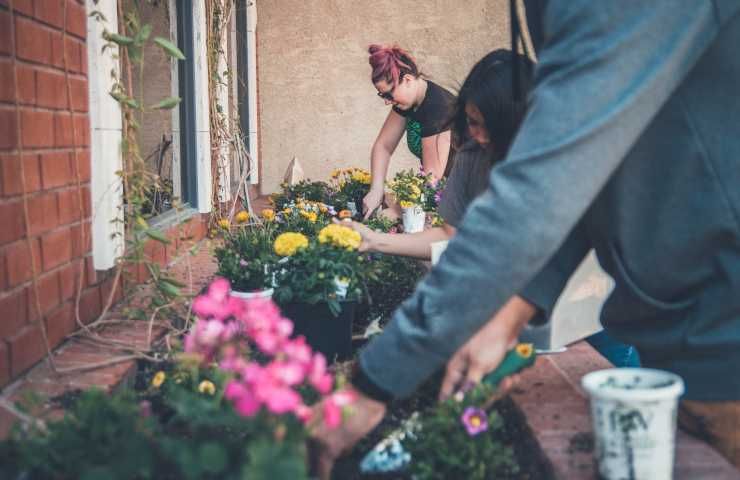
(195, 270)
(557, 411)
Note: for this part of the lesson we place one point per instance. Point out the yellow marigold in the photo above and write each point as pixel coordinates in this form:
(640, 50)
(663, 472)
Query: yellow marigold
(416, 191)
(361, 176)
(223, 223)
(242, 216)
(340, 236)
(268, 214)
(345, 214)
(287, 211)
(286, 244)
(323, 208)
(406, 204)
(206, 386)
(158, 379)
(312, 217)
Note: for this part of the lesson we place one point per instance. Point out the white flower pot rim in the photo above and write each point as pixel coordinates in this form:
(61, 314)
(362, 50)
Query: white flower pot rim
(264, 293)
(659, 384)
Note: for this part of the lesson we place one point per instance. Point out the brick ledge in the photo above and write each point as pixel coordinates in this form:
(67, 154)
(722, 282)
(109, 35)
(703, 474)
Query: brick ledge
(557, 409)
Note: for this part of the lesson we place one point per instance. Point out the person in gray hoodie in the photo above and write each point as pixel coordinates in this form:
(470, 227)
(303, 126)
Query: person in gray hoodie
(631, 146)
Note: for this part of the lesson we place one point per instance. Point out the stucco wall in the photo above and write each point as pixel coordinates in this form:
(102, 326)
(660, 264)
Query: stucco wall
(316, 101)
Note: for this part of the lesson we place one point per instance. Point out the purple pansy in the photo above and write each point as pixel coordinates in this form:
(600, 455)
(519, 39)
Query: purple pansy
(475, 420)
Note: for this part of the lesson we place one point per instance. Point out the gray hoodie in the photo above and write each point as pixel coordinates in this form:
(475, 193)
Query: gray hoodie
(631, 145)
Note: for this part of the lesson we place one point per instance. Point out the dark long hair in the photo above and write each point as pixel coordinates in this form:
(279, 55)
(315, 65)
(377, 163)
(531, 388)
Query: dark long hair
(488, 86)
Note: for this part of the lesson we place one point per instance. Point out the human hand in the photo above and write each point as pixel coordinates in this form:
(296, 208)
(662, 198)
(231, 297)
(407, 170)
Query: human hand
(485, 350)
(368, 235)
(371, 202)
(327, 444)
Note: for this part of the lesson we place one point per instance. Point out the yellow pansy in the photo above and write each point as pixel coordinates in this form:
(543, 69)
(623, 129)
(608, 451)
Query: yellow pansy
(406, 204)
(242, 216)
(207, 387)
(223, 223)
(268, 214)
(158, 379)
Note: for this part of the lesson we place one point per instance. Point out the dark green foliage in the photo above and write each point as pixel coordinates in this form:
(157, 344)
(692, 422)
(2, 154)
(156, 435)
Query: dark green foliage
(306, 190)
(443, 449)
(246, 257)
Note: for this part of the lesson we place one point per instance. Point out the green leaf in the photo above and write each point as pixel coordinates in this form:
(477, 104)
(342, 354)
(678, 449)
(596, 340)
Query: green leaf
(169, 289)
(172, 281)
(125, 100)
(157, 235)
(143, 34)
(213, 458)
(169, 48)
(166, 104)
(119, 39)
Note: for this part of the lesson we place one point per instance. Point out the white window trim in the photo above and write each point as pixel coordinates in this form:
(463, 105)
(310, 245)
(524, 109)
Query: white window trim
(252, 88)
(106, 126)
(202, 118)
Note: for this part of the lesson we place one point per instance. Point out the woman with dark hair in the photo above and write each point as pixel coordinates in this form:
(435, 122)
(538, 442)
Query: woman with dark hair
(420, 108)
(484, 122)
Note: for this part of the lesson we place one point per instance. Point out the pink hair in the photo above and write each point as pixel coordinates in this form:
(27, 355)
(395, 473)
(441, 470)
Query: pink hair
(390, 63)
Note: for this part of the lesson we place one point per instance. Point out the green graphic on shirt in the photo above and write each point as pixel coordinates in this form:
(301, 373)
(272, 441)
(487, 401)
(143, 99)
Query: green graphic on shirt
(413, 137)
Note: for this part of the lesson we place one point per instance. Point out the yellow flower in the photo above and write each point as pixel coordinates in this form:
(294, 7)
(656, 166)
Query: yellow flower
(311, 216)
(223, 223)
(335, 173)
(158, 379)
(323, 208)
(524, 350)
(286, 244)
(340, 236)
(207, 386)
(416, 191)
(287, 211)
(242, 216)
(361, 176)
(268, 214)
(406, 204)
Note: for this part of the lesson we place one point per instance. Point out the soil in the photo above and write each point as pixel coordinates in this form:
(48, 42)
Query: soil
(516, 433)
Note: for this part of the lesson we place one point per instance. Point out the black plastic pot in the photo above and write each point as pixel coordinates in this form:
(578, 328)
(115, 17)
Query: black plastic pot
(326, 333)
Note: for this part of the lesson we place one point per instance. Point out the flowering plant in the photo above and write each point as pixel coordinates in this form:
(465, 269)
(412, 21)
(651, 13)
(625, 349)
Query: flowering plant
(246, 256)
(408, 187)
(327, 268)
(303, 216)
(305, 189)
(351, 184)
(462, 438)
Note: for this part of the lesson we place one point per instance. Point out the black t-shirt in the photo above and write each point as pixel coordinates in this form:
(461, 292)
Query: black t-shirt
(434, 112)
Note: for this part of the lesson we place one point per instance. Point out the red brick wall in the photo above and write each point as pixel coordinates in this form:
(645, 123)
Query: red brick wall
(44, 170)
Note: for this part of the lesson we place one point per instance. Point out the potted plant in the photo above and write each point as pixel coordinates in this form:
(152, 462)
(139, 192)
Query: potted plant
(352, 184)
(246, 257)
(306, 190)
(409, 190)
(303, 216)
(319, 285)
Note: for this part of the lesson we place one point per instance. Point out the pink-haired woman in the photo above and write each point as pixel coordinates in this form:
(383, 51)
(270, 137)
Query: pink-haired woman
(420, 108)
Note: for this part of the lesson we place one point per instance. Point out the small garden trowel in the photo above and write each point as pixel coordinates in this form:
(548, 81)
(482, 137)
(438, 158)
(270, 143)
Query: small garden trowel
(390, 456)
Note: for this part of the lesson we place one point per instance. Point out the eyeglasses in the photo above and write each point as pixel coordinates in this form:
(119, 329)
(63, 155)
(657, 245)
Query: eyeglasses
(387, 95)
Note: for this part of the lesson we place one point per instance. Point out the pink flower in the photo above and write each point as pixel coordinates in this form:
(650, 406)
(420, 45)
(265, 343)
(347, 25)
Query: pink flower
(318, 377)
(333, 406)
(475, 420)
(267, 341)
(289, 373)
(303, 413)
(244, 401)
(283, 400)
(298, 350)
(209, 332)
(215, 302)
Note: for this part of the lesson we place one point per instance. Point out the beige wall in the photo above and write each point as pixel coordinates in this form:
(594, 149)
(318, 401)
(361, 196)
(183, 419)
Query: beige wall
(316, 101)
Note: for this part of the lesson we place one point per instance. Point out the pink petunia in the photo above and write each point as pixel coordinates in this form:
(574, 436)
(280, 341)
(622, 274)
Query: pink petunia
(283, 400)
(333, 406)
(289, 373)
(475, 420)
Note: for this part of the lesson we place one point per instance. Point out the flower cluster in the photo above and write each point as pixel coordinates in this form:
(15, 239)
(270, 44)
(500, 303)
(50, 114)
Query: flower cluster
(340, 236)
(409, 188)
(352, 174)
(304, 216)
(288, 243)
(352, 185)
(226, 331)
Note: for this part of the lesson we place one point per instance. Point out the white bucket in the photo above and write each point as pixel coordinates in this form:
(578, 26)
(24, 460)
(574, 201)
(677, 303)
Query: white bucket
(266, 293)
(341, 286)
(413, 219)
(633, 411)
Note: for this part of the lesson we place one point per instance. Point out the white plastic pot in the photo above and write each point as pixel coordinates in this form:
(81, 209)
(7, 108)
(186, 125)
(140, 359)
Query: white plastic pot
(266, 293)
(633, 411)
(413, 219)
